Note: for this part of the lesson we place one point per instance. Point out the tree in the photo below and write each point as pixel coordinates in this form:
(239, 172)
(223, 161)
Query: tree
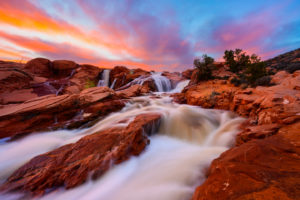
(236, 60)
(204, 67)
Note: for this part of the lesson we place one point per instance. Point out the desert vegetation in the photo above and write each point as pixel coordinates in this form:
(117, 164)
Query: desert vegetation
(249, 69)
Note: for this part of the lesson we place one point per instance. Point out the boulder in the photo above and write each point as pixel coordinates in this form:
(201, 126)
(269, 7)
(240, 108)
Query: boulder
(40, 67)
(80, 80)
(63, 68)
(92, 155)
(13, 78)
(132, 91)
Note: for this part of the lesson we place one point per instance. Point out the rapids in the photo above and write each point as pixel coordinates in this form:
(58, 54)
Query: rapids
(170, 168)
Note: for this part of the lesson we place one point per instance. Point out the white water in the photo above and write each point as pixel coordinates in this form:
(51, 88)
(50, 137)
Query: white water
(162, 83)
(104, 80)
(113, 84)
(174, 163)
(180, 86)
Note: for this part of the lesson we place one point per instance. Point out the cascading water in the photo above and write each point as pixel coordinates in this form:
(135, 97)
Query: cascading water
(180, 86)
(162, 83)
(104, 80)
(174, 163)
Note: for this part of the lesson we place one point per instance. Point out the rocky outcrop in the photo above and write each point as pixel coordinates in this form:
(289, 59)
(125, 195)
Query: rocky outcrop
(174, 77)
(260, 169)
(40, 67)
(122, 76)
(51, 111)
(187, 73)
(40, 76)
(289, 62)
(267, 153)
(91, 156)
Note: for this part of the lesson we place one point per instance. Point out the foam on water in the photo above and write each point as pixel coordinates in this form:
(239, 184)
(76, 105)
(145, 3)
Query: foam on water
(174, 163)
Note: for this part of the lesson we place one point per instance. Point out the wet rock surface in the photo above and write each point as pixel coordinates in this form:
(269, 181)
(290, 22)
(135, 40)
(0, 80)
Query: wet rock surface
(52, 112)
(92, 155)
(265, 162)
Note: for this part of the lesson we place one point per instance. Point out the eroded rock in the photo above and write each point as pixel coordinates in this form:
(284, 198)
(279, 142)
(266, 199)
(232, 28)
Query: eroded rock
(72, 164)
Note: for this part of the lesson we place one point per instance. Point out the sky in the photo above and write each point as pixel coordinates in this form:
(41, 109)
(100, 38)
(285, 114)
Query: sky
(153, 35)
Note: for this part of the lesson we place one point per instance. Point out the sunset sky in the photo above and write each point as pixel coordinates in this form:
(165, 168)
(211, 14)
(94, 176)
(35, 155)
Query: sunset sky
(158, 35)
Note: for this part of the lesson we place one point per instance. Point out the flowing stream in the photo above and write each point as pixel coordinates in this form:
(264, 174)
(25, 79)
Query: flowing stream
(170, 168)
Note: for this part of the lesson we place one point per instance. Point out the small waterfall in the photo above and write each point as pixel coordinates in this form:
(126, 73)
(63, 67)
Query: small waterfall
(113, 83)
(104, 80)
(180, 86)
(162, 83)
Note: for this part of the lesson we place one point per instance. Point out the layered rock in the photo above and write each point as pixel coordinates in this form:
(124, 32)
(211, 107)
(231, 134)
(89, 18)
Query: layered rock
(260, 169)
(267, 153)
(51, 111)
(72, 164)
(40, 77)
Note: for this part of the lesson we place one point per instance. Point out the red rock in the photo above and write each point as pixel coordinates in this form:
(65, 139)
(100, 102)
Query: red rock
(122, 76)
(81, 78)
(40, 67)
(118, 73)
(63, 68)
(260, 169)
(174, 77)
(44, 113)
(13, 78)
(187, 73)
(265, 164)
(17, 96)
(132, 91)
(92, 155)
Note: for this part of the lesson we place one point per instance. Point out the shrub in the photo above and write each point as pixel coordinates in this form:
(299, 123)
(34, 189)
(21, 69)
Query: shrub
(204, 67)
(248, 68)
(255, 71)
(236, 60)
(264, 81)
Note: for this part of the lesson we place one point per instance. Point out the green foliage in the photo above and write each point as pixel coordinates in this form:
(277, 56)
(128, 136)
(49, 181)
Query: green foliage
(204, 66)
(89, 83)
(255, 71)
(236, 60)
(248, 68)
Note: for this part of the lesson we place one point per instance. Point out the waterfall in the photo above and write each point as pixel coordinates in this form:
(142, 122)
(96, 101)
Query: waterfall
(162, 83)
(113, 83)
(104, 80)
(170, 168)
(180, 86)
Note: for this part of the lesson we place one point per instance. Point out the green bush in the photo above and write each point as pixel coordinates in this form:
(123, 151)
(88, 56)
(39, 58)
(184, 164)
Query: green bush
(248, 68)
(236, 60)
(255, 71)
(204, 66)
(263, 81)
